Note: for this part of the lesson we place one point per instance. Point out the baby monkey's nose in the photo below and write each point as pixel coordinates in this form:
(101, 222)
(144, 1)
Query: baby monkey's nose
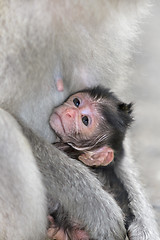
(71, 113)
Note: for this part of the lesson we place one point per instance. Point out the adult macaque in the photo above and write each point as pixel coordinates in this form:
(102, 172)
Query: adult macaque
(79, 42)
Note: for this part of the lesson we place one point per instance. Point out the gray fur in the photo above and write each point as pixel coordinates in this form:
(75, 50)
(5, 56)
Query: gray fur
(22, 195)
(85, 44)
(72, 176)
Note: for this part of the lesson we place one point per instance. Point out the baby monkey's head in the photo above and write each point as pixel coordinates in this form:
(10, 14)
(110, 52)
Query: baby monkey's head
(92, 120)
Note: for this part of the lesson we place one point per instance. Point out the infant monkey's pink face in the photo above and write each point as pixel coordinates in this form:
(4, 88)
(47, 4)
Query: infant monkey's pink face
(78, 117)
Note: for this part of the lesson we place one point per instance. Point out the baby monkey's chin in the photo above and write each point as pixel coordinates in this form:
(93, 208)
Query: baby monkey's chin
(56, 124)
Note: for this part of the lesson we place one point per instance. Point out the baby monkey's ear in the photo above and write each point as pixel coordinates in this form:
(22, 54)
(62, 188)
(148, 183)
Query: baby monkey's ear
(98, 157)
(127, 108)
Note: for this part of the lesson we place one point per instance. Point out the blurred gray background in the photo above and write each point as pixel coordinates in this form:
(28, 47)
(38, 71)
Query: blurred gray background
(145, 91)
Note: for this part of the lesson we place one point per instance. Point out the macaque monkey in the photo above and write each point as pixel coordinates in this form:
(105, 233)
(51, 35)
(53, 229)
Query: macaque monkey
(84, 44)
(91, 125)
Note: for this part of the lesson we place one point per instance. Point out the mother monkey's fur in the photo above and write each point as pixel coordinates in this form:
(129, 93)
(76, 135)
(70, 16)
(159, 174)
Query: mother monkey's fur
(84, 43)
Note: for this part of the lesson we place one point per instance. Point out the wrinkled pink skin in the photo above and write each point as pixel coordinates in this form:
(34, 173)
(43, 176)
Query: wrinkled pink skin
(54, 233)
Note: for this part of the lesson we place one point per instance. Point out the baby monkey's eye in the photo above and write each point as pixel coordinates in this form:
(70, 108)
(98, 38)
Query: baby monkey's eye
(76, 102)
(85, 120)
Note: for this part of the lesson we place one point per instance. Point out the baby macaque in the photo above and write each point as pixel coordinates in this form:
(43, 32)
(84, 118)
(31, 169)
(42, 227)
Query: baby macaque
(91, 125)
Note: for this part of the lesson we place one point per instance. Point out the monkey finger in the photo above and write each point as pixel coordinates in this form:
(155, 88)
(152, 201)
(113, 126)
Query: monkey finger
(52, 233)
(51, 221)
